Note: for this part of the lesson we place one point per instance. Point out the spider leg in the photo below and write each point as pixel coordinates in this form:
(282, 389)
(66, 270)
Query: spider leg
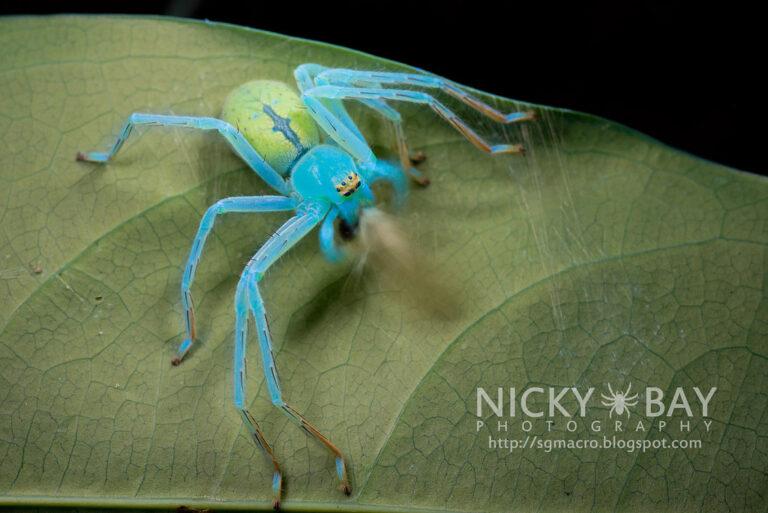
(376, 78)
(305, 75)
(384, 171)
(230, 133)
(343, 135)
(307, 78)
(290, 233)
(236, 204)
(241, 329)
(331, 251)
(357, 147)
(402, 147)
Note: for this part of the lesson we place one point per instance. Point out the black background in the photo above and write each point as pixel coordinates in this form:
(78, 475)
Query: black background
(688, 75)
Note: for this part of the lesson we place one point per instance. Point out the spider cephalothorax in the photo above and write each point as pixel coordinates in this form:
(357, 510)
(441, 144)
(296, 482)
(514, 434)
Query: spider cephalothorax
(277, 133)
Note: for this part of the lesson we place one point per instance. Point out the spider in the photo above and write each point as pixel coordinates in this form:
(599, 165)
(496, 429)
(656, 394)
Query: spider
(276, 133)
(619, 402)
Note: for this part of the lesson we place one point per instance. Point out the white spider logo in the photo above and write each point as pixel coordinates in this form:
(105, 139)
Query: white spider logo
(619, 402)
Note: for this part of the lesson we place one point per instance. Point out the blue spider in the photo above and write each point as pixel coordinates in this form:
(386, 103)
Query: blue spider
(276, 133)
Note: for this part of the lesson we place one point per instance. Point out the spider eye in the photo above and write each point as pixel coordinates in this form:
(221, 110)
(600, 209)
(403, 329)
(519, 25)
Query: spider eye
(349, 185)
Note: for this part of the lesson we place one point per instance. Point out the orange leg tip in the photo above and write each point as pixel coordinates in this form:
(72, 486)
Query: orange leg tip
(176, 361)
(418, 157)
(80, 156)
(418, 177)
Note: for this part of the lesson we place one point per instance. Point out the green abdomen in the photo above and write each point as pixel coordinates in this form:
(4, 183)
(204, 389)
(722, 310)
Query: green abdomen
(272, 118)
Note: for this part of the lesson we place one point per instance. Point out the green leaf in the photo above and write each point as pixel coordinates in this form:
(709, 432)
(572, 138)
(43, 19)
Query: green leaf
(602, 257)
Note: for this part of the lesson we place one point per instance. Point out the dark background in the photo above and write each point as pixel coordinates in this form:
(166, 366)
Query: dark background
(688, 75)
